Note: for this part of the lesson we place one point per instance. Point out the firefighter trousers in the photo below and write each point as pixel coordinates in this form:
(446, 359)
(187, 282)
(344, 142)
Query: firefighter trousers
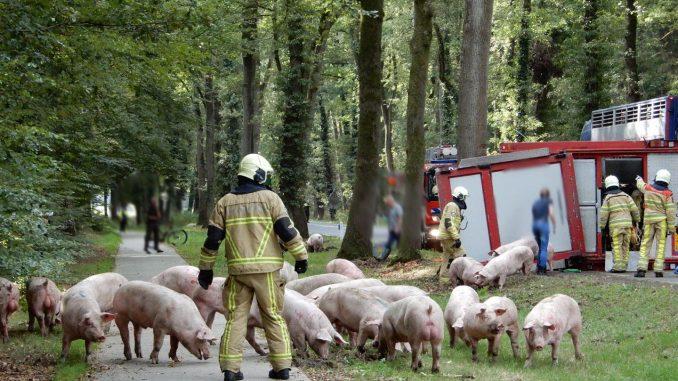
(449, 252)
(621, 240)
(653, 232)
(238, 292)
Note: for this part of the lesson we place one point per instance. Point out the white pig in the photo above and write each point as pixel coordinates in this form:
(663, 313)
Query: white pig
(463, 270)
(9, 303)
(548, 321)
(529, 242)
(184, 280)
(344, 267)
(498, 268)
(308, 284)
(355, 310)
(394, 293)
(43, 299)
(460, 298)
(149, 305)
(307, 325)
(415, 320)
(287, 272)
(86, 312)
(356, 283)
(315, 243)
(489, 320)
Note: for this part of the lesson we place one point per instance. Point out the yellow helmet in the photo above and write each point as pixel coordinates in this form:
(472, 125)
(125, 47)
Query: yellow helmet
(255, 167)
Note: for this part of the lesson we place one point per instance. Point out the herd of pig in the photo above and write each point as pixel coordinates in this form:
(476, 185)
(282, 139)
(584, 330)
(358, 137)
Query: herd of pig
(317, 309)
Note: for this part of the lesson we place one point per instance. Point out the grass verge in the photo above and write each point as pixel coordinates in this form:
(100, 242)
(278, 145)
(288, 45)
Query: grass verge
(630, 330)
(29, 356)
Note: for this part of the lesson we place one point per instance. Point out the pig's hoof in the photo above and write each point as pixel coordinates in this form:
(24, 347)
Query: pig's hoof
(474, 359)
(176, 359)
(527, 364)
(578, 356)
(435, 370)
(128, 356)
(554, 362)
(361, 349)
(138, 354)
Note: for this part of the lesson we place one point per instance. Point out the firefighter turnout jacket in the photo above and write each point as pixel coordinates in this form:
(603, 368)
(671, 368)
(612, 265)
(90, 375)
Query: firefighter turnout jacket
(658, 205)
(619, 211)
(450, 222)
(250, 220)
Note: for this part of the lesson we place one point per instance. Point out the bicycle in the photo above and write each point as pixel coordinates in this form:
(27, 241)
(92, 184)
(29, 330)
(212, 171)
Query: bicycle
(174, 236)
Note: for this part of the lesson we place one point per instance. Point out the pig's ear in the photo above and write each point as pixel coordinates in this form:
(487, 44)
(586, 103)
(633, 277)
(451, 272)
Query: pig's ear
(500, 311)
(339, 339)
(549, 326)
(105, 316)
(458, 324)
(323, 335)
(529, 325)
(45, 283)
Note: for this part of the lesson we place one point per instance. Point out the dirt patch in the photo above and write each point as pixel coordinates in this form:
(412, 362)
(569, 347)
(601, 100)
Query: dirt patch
(33, 367)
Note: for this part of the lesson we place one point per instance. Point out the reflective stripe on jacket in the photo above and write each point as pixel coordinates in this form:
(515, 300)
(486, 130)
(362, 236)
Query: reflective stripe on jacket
(250, 243)
(450, 221)
(619, 211)
(658, 204)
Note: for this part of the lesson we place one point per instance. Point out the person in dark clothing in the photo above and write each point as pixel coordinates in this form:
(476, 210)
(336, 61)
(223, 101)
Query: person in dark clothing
(542, 212)
(123, 222)
(153, 216)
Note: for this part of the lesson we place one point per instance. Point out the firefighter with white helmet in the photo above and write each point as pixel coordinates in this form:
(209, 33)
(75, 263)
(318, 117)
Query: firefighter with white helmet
(620, 212)
(449, 228)
(659, 219)
(252, 219)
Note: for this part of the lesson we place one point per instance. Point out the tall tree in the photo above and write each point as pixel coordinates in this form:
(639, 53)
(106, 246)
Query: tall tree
(420, 46)
(524, 78)
(593, 75)
(448, 91)
(357, 241)
(326, 149)
(475, 52)
(630, 53)
(200, 189)
(250, 61)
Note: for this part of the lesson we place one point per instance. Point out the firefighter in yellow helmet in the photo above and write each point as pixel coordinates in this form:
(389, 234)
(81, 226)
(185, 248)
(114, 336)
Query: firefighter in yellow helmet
(621, 213)
(252, 219)
(659, 219)
(449, 228)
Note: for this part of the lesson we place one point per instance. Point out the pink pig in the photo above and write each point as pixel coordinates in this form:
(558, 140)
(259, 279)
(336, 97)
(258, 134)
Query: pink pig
(44, 304)
(345, 267)
(305, 285)
(9, 303)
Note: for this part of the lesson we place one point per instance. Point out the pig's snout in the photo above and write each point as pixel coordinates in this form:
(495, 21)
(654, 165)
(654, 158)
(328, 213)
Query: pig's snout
(539, 347)
(101, 338)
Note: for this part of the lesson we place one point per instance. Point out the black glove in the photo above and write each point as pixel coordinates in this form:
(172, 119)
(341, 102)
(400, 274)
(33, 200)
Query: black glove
(449, 262)
(457, 243)
(301, 266)
(205, 278)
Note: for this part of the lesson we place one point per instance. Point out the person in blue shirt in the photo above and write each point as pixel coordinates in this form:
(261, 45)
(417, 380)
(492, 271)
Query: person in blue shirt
(542, 212)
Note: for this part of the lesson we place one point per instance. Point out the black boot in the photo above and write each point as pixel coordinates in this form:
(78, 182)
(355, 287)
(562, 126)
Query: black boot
(282, 374)
(640, 274)
(658, 274)
(230, 376)
(615, 271)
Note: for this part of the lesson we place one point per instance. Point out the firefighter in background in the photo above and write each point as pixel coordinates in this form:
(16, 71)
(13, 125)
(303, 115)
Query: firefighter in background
(659, 220)
(621, 213)
(251, 219)
(449, 228)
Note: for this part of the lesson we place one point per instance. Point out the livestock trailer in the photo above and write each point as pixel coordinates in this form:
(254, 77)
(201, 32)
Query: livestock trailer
(503, 187)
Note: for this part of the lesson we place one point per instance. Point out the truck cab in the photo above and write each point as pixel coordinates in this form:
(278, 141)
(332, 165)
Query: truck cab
(443, 156)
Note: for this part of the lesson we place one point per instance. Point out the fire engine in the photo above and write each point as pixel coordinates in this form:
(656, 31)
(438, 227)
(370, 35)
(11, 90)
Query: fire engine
(627, 140)
(443, 156)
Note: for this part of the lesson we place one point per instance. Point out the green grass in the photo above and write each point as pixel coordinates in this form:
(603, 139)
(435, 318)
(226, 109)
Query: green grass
(630, 328)
(35, 357)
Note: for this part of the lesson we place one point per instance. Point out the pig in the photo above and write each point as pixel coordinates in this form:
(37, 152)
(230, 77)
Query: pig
(184, 280)
(287, 272)
(9, 303)
(498, 268)
(150, 305)
(87, 310)
(548, 321)
(308, 284)
(307, 325)
(43, 299)
(315, 243)
(394, 293)
(529, 242)
(488, 320)
(356, 311)
(356, 283)
(415, 320)
(460, 298)
(463, 270)
(345, 267)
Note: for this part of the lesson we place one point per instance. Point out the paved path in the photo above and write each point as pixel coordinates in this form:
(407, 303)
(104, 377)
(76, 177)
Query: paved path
(134, 264)
(379, 233)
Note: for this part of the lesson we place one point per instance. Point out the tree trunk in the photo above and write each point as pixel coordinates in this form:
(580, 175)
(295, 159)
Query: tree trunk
(212, 121)
(593, 77)
(115, 201)
(106, 202)
(524, 79)
(328, 164)
(357, 241)
(448, 93)
(250, 61)
(630, 54)
(200, 167)
(475, 52)
(420, 46)
(388, 135)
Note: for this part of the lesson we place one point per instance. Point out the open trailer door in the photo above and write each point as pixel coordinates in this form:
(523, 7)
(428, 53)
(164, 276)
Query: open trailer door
(502, 189)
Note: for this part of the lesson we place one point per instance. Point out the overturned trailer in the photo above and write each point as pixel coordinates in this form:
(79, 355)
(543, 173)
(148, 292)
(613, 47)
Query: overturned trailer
(503, 187)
